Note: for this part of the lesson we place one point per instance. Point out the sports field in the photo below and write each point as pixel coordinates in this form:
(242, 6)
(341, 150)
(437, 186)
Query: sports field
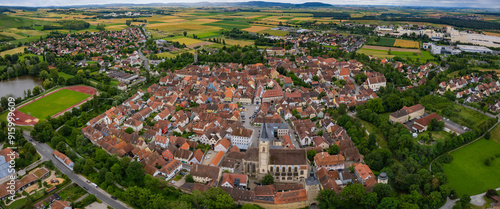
(53, 103)
(468, 174)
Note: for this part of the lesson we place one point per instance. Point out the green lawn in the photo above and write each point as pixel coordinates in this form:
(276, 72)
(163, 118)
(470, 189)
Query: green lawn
(381, 141)
(53, 103)
(17, 204)
(65, 76)
(73, 192)
(468, 174)
(459, 114)
(37, 194)
(382, 42)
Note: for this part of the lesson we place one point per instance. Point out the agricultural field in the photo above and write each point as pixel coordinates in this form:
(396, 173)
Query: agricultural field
(165, 55)
(383, 52)
(468, 173)
(186, 40)
(393, 42)
(383, 41)
(229, 24)
(274, 32)
(256, 29)
(13, 51)
(406, 44)
(238, 42)
(53, 103)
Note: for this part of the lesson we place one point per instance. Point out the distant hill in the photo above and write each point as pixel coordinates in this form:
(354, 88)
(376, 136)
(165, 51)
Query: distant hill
(201, 4)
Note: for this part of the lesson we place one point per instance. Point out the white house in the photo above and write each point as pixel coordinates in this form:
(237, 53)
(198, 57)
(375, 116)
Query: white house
(161, 141)
(171, 169)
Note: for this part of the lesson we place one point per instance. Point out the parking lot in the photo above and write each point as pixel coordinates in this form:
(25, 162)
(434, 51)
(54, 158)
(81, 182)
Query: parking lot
(209, 156)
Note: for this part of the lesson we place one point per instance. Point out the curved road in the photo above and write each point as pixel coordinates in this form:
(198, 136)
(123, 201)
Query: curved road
(47, 152)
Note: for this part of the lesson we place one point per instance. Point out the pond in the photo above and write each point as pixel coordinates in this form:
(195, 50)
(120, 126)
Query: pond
(17, 86)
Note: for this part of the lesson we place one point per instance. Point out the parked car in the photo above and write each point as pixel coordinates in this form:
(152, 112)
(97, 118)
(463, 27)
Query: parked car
(113, 197)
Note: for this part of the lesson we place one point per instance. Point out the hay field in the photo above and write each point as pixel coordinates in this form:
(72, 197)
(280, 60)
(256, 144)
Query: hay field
(203, 43)
(497, 34)
(238, 42)
(13, 51)
(187, 41)
(406, 43)
(256, 28)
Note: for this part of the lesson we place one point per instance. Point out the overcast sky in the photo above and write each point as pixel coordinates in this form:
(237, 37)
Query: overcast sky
(440, 3)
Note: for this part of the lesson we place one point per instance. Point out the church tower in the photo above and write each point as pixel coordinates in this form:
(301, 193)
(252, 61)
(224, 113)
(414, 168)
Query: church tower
(263, 157)
(264, 140)
(195, 56)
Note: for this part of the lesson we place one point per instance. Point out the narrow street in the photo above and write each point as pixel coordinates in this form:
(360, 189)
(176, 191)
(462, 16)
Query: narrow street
(47, 153)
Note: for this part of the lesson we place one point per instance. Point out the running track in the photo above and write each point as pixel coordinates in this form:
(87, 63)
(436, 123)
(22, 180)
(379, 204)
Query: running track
(23, 119)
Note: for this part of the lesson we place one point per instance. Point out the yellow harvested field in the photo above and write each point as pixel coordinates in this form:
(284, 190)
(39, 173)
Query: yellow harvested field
(255, 28)
(165, 54)
(204, 43)
(16, 36)
(13, 51)
(207, 20)
(116, 27)
(238, 42)
(492, 34)
(406, 43)
(187, 41)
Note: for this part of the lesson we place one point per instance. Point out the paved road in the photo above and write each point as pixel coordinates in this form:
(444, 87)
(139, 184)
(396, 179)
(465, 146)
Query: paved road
(47, 152)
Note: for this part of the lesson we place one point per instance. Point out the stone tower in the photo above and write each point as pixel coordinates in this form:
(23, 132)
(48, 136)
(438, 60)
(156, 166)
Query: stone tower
(263, 157)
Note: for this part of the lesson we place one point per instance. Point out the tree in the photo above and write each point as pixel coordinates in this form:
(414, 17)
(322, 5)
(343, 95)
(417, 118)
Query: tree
(435, 125)
(333, 149)
(185, 33)
(311, 154)
(61, 146)
(88, 167)
(353, 192)
(109, 179)
(464, 200)
(250, 206)
(375, 105)
(36, 90)
(388, 203)
(369, 200)
(267, 180)
(101, 155)
(129, 130)
(328, 199)
(135, 172)
(189, 178)
(315, 78)
(102, 26)
(487, 135)
(450, 95)
(382, 190)
(217, 198)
